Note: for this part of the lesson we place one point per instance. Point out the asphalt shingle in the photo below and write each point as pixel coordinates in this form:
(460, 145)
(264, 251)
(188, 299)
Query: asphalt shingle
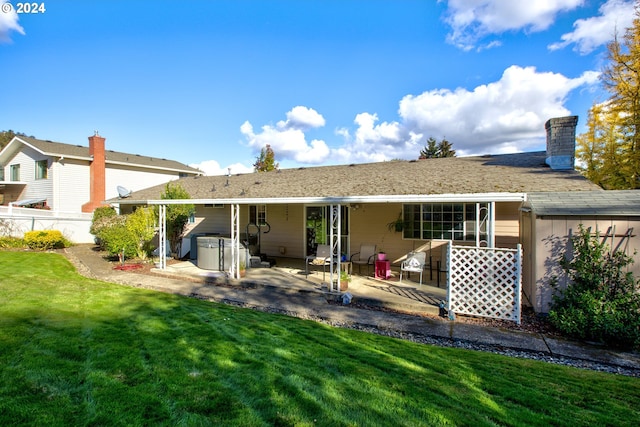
(508, 173)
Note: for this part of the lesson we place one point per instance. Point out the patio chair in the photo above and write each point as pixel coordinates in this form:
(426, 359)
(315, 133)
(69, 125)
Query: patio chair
(414, 263)
(366, 256)
(321, 258)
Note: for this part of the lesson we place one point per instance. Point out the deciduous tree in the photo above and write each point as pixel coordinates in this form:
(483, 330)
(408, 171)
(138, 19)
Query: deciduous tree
(177, 215)
(266, 161)
(610, 149)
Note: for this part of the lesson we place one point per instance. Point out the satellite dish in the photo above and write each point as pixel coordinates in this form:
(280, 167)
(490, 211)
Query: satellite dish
(123, 192)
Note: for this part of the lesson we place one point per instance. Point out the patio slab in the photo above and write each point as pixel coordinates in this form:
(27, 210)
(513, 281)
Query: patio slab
(290, 274)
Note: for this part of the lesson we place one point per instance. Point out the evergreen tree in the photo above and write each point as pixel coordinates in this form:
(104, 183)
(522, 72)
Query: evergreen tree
(445, 149)
(435, 149)
(430, 151)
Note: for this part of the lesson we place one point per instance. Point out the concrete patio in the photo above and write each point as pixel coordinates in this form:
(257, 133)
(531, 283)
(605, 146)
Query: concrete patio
(289, 273)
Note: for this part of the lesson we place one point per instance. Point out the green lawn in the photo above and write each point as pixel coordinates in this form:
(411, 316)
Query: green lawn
(75, 351)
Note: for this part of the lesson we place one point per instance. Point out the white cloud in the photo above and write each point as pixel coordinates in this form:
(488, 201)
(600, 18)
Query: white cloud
(8, 23)
(212, 167)
(589, 34)
(472, 20)
(302, 118)
(288, 139)
(504, 116)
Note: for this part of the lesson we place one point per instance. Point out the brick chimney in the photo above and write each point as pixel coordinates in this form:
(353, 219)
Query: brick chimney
(561, 142)
(96, 173)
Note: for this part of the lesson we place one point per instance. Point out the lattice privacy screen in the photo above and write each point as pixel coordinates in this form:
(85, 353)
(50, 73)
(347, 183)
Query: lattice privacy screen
(484, 281)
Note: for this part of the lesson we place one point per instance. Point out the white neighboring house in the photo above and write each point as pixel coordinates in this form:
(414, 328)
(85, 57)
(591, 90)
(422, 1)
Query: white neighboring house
(67, 182)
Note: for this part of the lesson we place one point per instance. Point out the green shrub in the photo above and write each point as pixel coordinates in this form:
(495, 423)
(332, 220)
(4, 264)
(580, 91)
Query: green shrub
(8, 242)
(101, 217)
(141, 226)
(601, 302)
(115, 238)
(45, 240)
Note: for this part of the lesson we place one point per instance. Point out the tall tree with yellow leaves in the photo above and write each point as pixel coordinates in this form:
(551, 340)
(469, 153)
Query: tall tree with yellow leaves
(610, 149)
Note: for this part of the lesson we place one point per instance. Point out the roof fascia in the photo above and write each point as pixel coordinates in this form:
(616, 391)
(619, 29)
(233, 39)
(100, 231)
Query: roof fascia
(48, 153)
(418, 198)
(113, 162)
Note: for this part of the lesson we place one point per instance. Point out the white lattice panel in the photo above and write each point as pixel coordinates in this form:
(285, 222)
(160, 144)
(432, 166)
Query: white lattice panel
(484, 281)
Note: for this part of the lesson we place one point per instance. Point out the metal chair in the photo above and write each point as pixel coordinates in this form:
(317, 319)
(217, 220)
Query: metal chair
(414, 263)
(321, 258)
(366, 256)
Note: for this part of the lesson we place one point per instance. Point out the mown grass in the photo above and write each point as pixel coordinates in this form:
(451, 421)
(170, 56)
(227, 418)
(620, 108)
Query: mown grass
(75, 351)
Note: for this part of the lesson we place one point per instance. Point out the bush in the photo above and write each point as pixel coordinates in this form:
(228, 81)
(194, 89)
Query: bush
(45, 240)
(115, 238)
(100, 217)
(8, 242)
(601, 302)
(141, 226)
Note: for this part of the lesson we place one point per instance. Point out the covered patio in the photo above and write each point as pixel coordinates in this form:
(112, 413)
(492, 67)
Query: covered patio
(290, 274)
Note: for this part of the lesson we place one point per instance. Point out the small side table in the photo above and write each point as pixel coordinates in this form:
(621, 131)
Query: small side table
(383, 269)
(346, 266)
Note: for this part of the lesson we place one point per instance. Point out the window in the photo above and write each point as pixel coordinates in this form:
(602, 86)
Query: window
(444, 221)
(41, 169)
(15, 172)
(258, 214)
(1, 173)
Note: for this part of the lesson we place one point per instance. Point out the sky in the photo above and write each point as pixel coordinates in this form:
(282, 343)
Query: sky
(323, 82)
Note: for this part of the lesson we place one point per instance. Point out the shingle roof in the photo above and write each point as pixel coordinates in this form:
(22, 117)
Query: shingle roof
(509, 173)
(78, 151)
(591, 203)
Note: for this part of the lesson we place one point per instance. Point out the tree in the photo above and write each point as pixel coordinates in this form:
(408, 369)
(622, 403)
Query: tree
(445, 149)
(435, 149)
(612, 140)
(599, 150)
(266, 161)
(177, 215)
(7, 135)
(430, 150)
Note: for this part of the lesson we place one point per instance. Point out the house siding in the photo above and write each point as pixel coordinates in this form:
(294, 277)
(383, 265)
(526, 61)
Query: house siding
(133, 178)
(71, 174)
(507, 230)
(545, 239)
(35, 188)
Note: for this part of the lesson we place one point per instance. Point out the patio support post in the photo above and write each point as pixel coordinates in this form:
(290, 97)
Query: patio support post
(334, 241)
(234, 269)
(162, 236)
(448, 283)
(491, 237)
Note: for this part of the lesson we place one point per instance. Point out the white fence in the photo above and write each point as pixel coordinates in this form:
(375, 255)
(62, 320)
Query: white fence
(484, 282)
(74, 226)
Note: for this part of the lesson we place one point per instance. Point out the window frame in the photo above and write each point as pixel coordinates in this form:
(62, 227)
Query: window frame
(258, 214)
(14, 172)
(42, 172)
(440, 221)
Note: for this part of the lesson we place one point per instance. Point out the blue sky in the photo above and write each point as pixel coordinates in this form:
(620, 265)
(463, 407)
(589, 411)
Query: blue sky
(210, 83)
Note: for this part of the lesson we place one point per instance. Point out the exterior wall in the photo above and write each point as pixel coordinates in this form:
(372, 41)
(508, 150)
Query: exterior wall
(74, 227)
(368, 225)
(35, 188)
(71, 183)
(507, 230)
(134, 179)
(548, 238)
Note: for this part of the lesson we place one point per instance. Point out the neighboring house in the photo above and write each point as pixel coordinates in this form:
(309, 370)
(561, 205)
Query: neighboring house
(73, 178)
(473, 201)
(67, 182)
